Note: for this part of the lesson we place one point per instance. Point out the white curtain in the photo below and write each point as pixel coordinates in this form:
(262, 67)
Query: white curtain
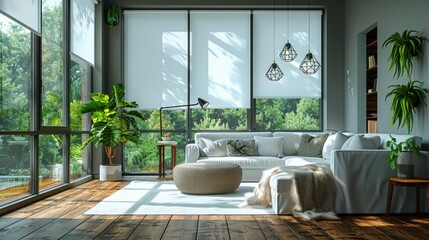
(220, 69)
(82, 29)
(294, 83)
(155, 57)
(26, 12)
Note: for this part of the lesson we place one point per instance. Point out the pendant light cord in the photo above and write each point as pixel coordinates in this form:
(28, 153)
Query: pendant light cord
(287, 25)
(274, 33)
(309, 26)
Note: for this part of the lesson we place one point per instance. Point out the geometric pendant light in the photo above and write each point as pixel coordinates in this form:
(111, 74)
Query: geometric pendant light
(274, 73)
(309, 64)
(288, 53)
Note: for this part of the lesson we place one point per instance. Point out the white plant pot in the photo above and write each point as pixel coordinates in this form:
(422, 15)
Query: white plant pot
(110, 172)
(405, 165)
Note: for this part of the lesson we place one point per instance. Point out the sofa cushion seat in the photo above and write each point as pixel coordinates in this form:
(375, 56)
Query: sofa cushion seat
(301, 161)
(247, 162)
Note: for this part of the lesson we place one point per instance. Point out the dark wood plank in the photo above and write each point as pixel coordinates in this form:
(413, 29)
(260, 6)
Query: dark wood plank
(121, 228)
(244, 227)
(274, 228)
(366, 228)
(30, 224)
(337, 230)
(151, 227)
(90, 228)
(181, 227)
(212, 227)
(304, 229)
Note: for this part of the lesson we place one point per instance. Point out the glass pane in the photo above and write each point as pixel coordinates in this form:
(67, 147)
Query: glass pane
(287, 114)
(79, 159)
(52, 63)
(51, 161)
(143, 157)
(15, 76)
(14, 168)
(219, 119)
(80, 76)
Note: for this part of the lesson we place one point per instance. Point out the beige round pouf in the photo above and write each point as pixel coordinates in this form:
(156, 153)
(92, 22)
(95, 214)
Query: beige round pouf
(207, 178)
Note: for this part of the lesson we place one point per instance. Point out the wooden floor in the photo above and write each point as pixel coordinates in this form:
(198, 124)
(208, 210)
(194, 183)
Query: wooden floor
(61, 217)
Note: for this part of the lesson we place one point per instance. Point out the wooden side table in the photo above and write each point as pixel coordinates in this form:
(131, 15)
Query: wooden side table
(161, 156)
(407, 182)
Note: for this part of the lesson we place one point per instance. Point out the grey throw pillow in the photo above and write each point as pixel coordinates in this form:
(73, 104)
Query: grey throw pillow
(361, 142)
(311, 146)
(241, 147)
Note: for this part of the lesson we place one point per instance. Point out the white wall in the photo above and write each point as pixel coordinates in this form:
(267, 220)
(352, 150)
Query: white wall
(389, 16)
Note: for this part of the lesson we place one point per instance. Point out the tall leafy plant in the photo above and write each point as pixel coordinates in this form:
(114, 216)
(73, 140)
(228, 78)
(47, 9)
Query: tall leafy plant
(406, 97)
(404, 47)
(112, 122)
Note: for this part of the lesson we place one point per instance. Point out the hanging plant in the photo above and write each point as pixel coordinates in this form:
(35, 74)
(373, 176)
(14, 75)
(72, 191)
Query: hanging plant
(404, 48)
(112, 18)
(405, 99)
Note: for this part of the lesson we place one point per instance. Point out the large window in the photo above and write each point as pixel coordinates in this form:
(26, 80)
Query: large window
(221, 56)
(41, 128)
(15, 108)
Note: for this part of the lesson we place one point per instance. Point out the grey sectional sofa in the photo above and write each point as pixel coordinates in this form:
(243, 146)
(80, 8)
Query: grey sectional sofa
(360, 170)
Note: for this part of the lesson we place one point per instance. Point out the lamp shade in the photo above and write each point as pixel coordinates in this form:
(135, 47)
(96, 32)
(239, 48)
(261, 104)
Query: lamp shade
(203, 103)
(274, 73)
(309, 64)
(288, 54)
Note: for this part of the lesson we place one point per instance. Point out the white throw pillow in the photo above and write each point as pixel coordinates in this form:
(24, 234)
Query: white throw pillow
(334, 142)
(210, 148)
(327, 147)
(361, 142)
(269, 146)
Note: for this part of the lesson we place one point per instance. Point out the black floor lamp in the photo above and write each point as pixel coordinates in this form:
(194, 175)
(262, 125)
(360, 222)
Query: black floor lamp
(203, 103)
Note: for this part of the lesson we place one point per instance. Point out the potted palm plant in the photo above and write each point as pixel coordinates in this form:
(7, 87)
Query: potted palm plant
(402, 154)
(406, 97)
(112, 124)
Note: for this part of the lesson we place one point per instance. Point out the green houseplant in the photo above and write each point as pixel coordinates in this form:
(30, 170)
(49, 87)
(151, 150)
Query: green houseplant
(112, 17)
(404, 48)
(406, 97)
(112, 122)
(402, 154)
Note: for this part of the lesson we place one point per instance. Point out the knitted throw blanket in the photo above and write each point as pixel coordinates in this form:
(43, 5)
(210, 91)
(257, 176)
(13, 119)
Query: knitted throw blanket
(313, 190)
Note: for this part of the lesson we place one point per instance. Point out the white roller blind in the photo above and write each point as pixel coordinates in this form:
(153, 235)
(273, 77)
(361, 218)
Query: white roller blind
(27, 12)
(294, 83)
(220, 57)
(155, 57)
(82, 29)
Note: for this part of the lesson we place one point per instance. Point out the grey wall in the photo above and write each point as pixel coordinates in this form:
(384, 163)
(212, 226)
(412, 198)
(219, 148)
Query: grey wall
(389, 16)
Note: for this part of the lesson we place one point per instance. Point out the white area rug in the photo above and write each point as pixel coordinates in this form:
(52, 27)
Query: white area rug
(150, 198)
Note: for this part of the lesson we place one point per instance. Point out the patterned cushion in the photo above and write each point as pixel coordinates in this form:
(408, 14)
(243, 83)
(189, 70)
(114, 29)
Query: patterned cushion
(241, 147)
(311, 146)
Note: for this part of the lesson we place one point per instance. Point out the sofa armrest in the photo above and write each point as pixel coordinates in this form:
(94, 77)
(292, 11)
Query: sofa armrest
(192, 153)
(362, 177)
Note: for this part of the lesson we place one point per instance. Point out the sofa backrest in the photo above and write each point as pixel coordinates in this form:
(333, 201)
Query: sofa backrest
(230, 135)
(399, 138)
